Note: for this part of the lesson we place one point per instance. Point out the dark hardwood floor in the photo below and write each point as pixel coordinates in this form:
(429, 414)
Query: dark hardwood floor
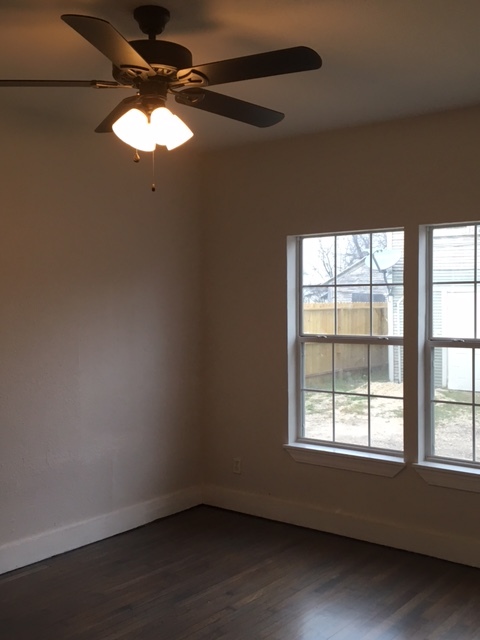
(209, 574)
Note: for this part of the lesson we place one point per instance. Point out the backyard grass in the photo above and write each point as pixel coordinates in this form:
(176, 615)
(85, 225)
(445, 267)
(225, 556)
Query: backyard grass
(453, 420)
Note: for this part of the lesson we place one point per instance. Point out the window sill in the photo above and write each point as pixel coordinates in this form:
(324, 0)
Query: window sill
(450, 476)
(346, 459)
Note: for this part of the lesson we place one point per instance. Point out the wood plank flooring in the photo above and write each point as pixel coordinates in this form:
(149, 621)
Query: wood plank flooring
(213, 574)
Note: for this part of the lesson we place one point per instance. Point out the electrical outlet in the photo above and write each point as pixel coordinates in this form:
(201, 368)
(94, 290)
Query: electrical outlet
(237, 465)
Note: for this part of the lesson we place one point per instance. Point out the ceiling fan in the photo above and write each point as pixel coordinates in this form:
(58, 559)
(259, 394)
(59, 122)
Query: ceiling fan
(156, 68)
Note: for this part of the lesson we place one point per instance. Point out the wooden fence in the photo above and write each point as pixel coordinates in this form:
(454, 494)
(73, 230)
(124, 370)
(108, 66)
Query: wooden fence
(353, 318)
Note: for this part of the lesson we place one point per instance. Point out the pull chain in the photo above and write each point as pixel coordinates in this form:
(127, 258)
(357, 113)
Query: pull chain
(136, 158)
(153, 170)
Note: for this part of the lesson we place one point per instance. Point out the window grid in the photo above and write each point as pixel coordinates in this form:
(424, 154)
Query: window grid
(439, 345)
(335, 339)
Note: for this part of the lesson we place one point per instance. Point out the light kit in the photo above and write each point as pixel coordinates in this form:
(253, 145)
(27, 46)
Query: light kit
(144, 131)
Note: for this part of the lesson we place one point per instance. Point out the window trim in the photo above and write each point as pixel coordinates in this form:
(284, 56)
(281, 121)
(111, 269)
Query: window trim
(440, 469)
(449, 476)
(303, 450)
(336, 457)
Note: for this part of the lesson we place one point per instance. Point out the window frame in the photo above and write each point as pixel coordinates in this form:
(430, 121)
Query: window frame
(361, 458)
(431, 343)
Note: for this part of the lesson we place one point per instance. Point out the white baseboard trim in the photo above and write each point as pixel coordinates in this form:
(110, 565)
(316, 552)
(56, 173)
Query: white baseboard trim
(454, 548)
(25, 551)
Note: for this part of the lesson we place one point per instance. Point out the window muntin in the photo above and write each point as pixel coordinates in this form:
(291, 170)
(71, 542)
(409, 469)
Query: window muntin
(453, 345)
(350, 340)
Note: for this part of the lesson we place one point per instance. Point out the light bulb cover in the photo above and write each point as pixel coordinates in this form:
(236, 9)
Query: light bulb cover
(168, 129)
(134, 129)
(163, 128)
(160, 122)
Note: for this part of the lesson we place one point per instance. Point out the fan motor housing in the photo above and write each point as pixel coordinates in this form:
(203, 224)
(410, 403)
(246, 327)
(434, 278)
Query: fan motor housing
(163, 56)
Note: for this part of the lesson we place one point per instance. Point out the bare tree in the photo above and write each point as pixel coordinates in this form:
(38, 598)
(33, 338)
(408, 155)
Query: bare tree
(326, 257)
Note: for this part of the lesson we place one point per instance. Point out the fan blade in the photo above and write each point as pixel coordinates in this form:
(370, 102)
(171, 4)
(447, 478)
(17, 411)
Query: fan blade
(229, 107)
(106, 125)
(108, 41)
(96, 84)
(260, 65)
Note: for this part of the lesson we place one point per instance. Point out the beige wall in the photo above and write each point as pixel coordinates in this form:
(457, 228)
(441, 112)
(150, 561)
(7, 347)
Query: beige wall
(405, 173)
(99, 337)
(103, 425)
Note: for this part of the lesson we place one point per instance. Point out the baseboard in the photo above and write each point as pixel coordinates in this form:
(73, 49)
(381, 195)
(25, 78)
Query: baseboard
(20, 553)
(26, 551)
(454, 548)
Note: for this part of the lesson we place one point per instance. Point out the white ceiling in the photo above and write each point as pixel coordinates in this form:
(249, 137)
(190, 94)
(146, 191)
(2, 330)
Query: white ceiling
(382, 59)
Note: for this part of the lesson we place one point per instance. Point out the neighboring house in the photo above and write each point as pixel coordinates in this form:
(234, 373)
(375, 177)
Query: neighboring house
(454, 299)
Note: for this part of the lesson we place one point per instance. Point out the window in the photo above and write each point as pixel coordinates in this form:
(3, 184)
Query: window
(453, 345)
(346, 367)
(349, 343)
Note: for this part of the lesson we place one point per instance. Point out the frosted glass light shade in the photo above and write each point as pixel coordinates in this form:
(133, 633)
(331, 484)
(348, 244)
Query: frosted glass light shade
(164, 129)
(168, 129)
(160, 121)
(134, 129)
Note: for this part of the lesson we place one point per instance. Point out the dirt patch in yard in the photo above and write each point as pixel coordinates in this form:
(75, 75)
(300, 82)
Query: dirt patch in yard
(453, 430)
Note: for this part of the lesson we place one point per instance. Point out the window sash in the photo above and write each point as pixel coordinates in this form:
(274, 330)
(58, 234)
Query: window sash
(335, 393)
(335, 286)
(433, 342)
(335, 338)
